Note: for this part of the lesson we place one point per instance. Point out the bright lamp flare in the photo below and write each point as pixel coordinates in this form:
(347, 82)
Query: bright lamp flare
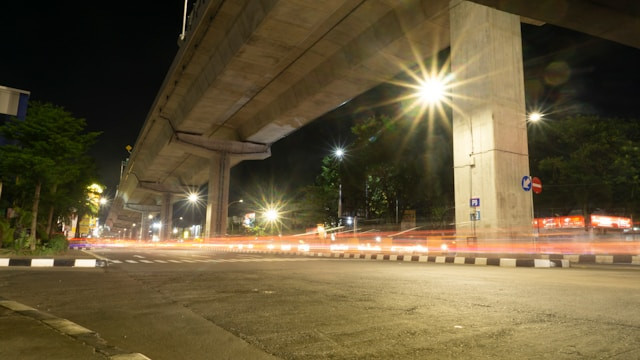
(431, 91)
(193, 197)
(536, 116)
(339, 153)
(271, 215)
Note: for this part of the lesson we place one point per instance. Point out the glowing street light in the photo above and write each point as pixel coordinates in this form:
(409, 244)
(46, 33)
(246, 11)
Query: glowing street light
(235, 202)
(535, 116)
(193, 197)
(271, 215)
(431, 91)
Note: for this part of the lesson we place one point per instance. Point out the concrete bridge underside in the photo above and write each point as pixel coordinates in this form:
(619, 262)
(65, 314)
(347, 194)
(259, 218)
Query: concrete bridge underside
(249, 73)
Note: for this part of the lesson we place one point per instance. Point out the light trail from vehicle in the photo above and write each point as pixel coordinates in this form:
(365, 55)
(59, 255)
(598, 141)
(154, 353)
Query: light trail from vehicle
(406, 242)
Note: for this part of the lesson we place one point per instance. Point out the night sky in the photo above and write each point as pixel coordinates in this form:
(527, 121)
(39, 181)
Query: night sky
(105, 62)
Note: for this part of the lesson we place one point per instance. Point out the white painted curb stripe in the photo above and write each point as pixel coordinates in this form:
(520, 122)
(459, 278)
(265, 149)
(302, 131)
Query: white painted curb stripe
(15, 306)
(440, 259)
(4, 262)
(134, 356)
(542, 263)
(67, 327)
(508, 262)
(41, 262)
(604, 259)
(85, 263)
(458, 260)
(481, 261)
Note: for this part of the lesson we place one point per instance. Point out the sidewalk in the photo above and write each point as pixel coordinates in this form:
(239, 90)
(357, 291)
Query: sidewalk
(28, 334)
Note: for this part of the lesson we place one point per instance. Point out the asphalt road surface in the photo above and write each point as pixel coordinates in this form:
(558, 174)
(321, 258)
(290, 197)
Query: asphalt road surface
(180, 304)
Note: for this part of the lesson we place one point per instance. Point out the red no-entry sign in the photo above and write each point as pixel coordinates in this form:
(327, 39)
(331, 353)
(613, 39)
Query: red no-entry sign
(536, 185)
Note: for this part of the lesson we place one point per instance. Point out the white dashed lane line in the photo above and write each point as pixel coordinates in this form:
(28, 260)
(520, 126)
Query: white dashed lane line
(188, 261)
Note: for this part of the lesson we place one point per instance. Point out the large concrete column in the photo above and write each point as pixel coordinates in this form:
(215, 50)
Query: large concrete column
(166, 217)
(218, 198)
(489, 123)
(144, 226)
(144, 210)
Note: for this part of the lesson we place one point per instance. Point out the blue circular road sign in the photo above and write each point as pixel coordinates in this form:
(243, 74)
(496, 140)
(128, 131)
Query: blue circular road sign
(526, 183)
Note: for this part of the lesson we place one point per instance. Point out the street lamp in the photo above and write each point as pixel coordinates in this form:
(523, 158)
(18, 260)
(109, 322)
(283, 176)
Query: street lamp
(431, 91)
(535, 116)
(271, 215)
(235, 202)
(339, 154)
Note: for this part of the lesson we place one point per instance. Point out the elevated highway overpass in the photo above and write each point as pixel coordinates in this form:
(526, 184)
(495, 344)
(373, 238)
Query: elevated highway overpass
(250, 72)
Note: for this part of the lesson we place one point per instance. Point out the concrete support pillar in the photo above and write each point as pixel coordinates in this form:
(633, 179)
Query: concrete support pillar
(489, 123)
(218, 198)
(144, 226)
(166, 217)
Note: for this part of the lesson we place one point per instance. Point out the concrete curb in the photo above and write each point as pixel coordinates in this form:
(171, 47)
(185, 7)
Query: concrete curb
(441, 259)
(73, 330)
(597, 259)
(51, 262)
(518, 260)
(521, 260)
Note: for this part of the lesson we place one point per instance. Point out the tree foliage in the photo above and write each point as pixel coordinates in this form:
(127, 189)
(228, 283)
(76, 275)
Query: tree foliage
(46, 160)
(587, 163)
(392, 165)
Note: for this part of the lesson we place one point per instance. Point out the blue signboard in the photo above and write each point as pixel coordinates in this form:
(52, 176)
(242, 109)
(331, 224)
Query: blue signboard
(526, 183)
(474, 202)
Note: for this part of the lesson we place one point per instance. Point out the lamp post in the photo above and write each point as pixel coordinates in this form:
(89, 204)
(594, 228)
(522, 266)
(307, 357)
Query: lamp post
(228, 206)
(271, 216)
(193, 199)
(339, 154)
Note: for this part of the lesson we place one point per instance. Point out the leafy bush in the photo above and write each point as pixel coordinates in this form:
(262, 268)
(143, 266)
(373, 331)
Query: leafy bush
(6, 233)
(58, 243)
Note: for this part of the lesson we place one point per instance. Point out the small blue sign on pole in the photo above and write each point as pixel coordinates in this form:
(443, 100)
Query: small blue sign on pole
(474, 202)
(526, 183)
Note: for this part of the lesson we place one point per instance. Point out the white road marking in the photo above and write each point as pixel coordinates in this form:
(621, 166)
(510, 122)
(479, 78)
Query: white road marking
(246, 256)
(245, 260)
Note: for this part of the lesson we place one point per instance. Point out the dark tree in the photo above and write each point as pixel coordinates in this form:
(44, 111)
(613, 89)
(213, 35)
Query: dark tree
(49, 155)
